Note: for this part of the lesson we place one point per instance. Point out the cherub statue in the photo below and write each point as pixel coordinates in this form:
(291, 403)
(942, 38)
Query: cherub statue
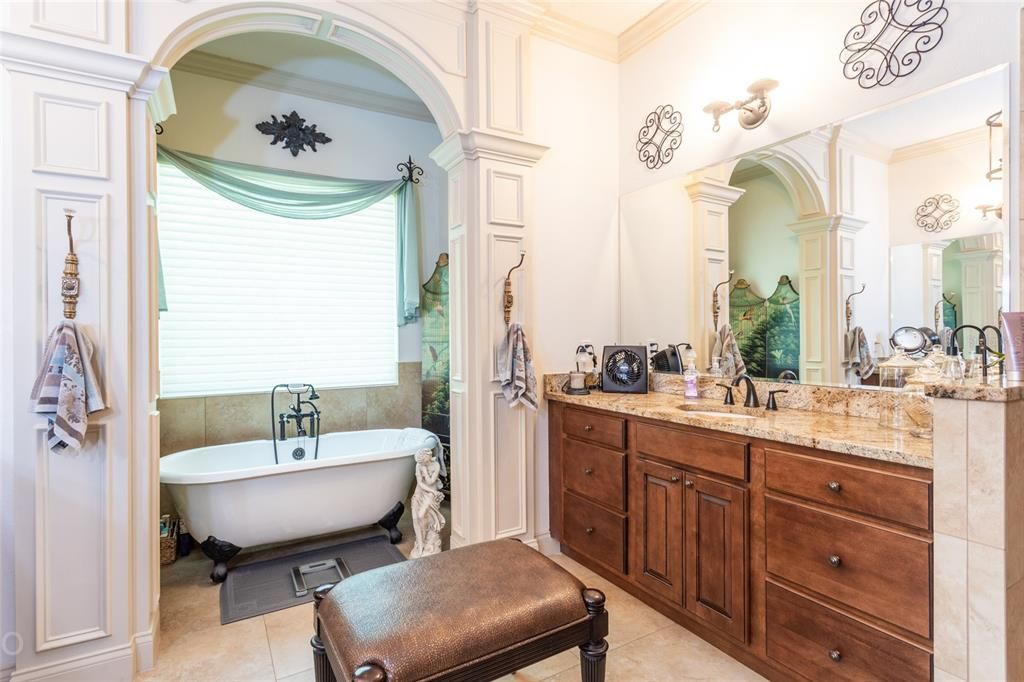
(427, 519)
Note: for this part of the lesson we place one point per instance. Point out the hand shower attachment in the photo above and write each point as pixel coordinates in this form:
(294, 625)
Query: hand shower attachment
(304, 394)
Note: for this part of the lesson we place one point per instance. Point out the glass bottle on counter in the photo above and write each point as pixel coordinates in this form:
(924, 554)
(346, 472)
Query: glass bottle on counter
(690, 376)
(894, 374)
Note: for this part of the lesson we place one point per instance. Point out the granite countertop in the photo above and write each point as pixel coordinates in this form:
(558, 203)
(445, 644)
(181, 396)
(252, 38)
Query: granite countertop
(997, 389)
(849, 435)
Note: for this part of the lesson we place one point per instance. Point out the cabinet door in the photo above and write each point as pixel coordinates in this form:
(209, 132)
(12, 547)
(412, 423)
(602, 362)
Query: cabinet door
(716, 554)
(656, 510)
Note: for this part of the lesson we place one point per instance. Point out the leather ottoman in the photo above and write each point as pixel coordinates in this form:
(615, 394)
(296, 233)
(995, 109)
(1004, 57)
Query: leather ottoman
(474, 613)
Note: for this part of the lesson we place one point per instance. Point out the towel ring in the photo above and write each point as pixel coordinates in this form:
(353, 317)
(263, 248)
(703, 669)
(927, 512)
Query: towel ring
(508, 300)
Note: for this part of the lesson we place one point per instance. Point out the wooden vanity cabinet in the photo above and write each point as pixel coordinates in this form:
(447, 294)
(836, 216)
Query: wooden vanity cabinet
(802, 564)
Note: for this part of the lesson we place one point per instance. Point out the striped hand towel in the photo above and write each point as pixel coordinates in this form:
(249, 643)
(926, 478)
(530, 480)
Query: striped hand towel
(515, 368)
(66, 388)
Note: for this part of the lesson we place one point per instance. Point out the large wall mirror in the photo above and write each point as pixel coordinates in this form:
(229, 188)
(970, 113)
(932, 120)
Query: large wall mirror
(888, 224)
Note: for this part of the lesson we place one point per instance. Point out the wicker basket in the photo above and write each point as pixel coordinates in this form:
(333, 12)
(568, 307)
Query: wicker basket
(169, 546)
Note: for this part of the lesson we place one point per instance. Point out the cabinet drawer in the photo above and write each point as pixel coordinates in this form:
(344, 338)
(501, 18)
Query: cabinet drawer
(887, 496)
(823, 644)
(596, 532)
(877, 571)
(597, 428)
(595, 472)
(717, 455)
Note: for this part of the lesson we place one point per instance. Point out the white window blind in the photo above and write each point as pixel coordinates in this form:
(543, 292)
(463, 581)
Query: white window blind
(255, 300)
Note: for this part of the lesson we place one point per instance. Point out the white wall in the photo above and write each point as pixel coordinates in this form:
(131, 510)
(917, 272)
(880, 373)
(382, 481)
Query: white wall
(871, 253)
(216, 118)
(719, 50)
(958, 171)
(762, 247)
(574, 259)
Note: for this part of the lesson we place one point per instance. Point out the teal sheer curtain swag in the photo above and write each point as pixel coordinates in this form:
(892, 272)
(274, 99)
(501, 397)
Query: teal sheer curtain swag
(304, 196)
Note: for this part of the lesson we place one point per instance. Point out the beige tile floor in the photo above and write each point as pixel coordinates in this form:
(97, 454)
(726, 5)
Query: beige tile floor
(643, 644)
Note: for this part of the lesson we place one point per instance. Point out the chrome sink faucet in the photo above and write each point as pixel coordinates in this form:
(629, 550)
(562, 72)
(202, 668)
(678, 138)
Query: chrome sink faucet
(751, 398)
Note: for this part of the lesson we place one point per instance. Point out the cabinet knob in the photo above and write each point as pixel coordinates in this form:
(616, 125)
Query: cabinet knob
(835, 561)
(674, 479)
(589, 531)
(689, 483)
(834, 486)
(588, 427)
(588, 471)
(835, 655)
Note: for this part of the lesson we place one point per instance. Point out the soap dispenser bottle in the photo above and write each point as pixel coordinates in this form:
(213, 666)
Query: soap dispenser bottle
(690, 381)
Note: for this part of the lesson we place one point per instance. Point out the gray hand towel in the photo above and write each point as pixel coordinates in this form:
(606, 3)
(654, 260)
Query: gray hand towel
(515, 368)
(728, 350)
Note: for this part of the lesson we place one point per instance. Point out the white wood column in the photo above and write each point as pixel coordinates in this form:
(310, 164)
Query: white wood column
(82, 595)
(711, 199)
(931, 278)
(827, 276)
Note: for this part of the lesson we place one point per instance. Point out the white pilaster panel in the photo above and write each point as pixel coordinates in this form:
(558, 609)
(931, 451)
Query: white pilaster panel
(73, 530)
(510, 469)
(505, 196)
(93, 24)
(71, 135)
(504, 86)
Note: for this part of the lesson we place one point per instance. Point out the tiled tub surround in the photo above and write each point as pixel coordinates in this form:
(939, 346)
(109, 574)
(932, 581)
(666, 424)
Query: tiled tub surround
(187, 423)
(835, 432)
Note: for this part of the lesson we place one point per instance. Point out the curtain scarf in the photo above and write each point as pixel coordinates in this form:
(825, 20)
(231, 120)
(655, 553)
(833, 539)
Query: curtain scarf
(313, 197)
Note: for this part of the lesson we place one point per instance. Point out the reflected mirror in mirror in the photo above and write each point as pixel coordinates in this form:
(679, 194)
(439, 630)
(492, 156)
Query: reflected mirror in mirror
(847, 233)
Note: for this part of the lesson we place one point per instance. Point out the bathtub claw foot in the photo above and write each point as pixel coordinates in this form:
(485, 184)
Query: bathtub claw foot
(389, 522)
(220, 552)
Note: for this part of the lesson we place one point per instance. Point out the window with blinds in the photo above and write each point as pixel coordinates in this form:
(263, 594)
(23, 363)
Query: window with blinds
(255, 300)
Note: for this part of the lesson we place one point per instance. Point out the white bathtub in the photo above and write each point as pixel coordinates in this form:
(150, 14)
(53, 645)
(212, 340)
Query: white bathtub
(237, 493)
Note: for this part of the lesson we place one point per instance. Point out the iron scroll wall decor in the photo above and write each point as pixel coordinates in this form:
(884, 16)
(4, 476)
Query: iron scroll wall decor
(937, 213)
(293, 131)
(888, 42)
(660, 136)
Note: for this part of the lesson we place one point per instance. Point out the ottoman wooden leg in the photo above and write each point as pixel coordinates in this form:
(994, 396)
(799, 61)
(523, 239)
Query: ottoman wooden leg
(322, 671)
(592, 654)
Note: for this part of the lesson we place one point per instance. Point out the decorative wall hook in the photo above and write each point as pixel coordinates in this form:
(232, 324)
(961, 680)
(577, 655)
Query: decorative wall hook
(411, 171)
(849, 305)
(507, 299)
(293, 131)
(69, 282)
(716, 307)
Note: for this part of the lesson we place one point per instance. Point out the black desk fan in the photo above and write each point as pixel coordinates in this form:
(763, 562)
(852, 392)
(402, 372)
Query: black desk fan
(624, 369)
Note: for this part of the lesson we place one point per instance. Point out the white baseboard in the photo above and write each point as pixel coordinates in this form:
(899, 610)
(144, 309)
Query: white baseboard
(111, 665)
(145, 651)
(547, 545)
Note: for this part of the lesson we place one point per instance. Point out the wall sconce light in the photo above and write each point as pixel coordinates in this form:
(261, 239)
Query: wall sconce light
(989, 208)
(995, 172)
(752, 111)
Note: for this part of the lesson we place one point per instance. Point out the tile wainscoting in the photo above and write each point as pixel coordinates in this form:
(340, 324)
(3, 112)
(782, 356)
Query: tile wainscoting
(187, 423)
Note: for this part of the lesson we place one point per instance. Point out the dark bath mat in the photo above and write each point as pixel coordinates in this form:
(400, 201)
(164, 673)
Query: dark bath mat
(264, 586)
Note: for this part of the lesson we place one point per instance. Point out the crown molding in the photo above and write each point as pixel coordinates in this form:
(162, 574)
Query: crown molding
(123, 72)
(845, 139)
(655, 24)
(940, 144)
(476, 144)
(224, 68)
(569, 32)
(749, 173)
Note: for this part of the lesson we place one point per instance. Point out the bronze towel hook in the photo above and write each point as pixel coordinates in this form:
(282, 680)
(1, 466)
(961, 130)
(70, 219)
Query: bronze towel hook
(508, 289)
(715, 306)
(69, 282)
(849, 305)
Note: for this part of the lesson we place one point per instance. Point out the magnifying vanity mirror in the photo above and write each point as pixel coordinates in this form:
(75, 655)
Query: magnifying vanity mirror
(887, 227)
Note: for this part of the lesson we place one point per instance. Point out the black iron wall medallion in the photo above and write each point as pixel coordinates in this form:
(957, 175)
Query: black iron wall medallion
(293, 131)
(889, 40)
(660, 136)
(937, 213)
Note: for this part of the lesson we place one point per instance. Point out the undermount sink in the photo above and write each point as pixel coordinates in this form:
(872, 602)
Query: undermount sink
(724, 412)
(723, 415)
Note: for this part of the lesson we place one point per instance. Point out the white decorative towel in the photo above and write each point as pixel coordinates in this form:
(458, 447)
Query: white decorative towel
(858, 353)
(66, 388)
(515, 368)
(728, 350)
